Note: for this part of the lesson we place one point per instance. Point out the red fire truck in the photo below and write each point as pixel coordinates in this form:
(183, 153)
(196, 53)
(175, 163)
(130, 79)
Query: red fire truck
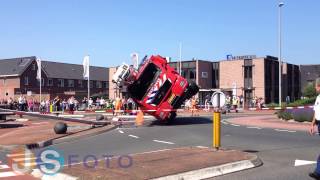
(156, 87)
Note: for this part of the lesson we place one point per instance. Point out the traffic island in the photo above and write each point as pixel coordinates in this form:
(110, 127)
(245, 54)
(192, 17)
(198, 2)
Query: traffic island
(38, 132)
(180, 163)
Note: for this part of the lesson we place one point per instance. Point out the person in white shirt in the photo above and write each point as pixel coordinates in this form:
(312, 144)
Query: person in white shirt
(102, 103)
(90, 103)
(316, 122)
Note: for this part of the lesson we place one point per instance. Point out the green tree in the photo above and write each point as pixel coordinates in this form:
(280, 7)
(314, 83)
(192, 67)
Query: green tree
(309, 91)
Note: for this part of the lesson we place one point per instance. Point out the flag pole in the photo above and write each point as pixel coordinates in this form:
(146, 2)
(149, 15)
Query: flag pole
(88, 81)
(40, 82)
(180, 58)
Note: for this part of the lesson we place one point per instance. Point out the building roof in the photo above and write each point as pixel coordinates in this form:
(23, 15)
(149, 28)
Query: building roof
(73, 71)
(16, 66)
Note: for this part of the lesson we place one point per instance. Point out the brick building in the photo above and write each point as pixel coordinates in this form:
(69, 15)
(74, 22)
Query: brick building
(253, 76)
(18, 76)
(249, 76)
(309, 73)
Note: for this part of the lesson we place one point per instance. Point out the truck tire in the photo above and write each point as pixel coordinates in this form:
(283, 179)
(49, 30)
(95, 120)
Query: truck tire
(192, 90)
(171, 118)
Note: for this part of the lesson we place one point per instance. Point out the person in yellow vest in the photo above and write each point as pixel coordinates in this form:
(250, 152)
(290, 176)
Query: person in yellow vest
(193, 105)
(235, 103)
(228, 103)
(118, 105)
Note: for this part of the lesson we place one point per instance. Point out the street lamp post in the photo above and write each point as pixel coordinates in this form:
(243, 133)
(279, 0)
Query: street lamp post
(280, 61)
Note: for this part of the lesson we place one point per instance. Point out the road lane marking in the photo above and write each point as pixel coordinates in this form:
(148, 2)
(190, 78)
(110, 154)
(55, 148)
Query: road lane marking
(298, 162)
(236, 125)
(4, 167)
(284, 130)
(202, 147)
(253, 127)
(121, 132)
(17, 155)
(224, 122)
(133, 136)
(8, 174)
(165, 142)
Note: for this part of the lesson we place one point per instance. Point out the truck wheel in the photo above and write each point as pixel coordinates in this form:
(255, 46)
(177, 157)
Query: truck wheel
(192, 90)
(171, 118)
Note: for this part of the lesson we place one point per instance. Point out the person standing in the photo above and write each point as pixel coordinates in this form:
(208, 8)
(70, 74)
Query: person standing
(316, 122)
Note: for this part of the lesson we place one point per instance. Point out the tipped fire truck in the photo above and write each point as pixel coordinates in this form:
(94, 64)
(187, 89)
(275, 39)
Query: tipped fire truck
(155, 87)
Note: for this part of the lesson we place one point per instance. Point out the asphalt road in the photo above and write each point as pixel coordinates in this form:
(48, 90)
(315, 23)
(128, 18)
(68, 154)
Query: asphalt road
(277, 149)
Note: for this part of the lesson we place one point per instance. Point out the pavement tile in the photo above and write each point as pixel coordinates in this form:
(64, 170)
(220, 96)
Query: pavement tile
(270, 121)
(35, 130)
(158, 164)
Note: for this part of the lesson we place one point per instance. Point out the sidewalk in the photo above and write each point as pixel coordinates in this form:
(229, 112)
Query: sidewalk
(270, 121)
(180, 163)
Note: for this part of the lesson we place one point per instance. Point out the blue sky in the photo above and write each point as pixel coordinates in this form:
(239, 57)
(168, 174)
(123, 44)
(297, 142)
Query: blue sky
(110, 30)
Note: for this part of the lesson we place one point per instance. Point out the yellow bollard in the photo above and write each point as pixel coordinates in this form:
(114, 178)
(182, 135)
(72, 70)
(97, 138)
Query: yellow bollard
(51, 108)
(216, 130)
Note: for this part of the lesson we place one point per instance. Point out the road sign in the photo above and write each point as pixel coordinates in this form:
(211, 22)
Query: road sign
(218, 99)
(29, 93)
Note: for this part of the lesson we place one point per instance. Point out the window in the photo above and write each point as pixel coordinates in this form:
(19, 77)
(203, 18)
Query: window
(248, 72)
(91, 84)
(204, 74)
(192, 74)
(99, 84)
(26, 80)
(50, 82)
(80, 83)
(60, 82)
(70, 83)
(140, 87)
(33, 66)
(105, 84)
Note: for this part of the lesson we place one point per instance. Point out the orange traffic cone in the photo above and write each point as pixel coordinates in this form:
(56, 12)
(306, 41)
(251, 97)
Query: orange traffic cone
(139, 119)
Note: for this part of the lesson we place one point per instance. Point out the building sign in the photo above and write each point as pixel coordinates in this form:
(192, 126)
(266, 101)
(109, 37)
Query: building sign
(230, 57)
(29, 93)
(70, 93)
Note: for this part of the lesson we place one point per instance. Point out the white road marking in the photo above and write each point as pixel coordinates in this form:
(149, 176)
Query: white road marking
(121, 132)
(253, 127)
(4, 167)
(284, 130)
(8, 174)
(298, 162)
(133, 136)
(24, 159)
(165, 142)
(17, 155)
(202, 147)
(236, 125)
(224, 122)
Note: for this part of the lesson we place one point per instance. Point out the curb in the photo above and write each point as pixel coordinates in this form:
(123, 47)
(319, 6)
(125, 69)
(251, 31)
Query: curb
(57, 117)
(214, 171)
(63, 139)
(38, 174)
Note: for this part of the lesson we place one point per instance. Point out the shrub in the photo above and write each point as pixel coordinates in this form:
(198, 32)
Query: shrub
(309, 91)
(272, 105)
(302, 102)
(286, 115)
(301, 115)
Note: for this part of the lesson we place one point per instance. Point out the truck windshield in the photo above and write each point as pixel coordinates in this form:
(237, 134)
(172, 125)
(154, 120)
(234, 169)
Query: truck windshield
(140, 87)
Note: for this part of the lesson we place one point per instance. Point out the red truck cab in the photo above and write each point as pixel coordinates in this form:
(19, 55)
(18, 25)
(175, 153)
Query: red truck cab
(158, 89)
